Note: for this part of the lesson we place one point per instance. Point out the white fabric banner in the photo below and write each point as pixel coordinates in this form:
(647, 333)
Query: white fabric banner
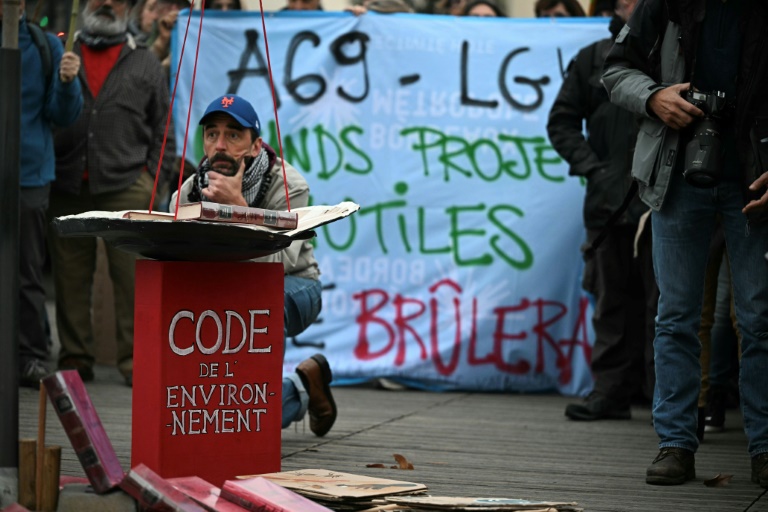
(462, 268)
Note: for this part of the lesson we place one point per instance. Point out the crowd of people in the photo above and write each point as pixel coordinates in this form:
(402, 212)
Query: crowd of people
(674, 252)
(109, 102)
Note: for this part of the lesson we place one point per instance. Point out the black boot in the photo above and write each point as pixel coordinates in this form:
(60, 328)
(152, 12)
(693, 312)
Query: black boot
(702, 425)
(760, 470)
(672, 466)
(715, 421)
(598, 407)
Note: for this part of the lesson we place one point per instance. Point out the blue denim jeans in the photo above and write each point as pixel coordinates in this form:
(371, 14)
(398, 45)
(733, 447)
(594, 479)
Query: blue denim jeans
(302, 305)
(681, 236)
(724, 337)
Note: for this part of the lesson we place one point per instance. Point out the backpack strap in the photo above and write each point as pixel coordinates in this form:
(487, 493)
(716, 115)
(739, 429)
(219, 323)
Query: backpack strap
(46, 57)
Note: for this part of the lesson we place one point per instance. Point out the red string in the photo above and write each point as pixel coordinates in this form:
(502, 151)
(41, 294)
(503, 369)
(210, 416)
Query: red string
(189, 113)
(274, 104)
(170, 110)
(189, 110)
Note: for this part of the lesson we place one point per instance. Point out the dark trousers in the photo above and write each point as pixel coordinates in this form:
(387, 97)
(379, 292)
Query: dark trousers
(74, 264)
(33, 339)
(624, 290)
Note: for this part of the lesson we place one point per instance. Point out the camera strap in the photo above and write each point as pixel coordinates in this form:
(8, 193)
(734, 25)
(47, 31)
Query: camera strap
(589, 249)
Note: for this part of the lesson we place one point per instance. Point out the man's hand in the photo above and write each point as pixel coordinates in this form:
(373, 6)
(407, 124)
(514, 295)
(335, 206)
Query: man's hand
(165, 25)
(757, 205)
(69, 67)
(161, 47)
(672, 108)
(225, 189)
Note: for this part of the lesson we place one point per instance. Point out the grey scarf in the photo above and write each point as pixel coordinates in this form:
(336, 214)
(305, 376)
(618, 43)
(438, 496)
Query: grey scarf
(98, 42)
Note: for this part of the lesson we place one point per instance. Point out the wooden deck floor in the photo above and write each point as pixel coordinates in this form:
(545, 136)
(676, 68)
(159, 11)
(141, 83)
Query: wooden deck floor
(472, 444)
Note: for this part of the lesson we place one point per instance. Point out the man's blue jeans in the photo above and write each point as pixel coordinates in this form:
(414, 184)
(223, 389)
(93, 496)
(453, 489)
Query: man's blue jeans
(303, 302)
(681, 236)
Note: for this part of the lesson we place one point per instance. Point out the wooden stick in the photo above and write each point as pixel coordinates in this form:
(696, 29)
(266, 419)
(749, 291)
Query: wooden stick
(41, 411)
(27, 471)
(50, 486)
(72, 25)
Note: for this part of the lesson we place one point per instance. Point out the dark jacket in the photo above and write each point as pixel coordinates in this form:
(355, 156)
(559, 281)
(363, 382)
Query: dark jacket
(120, 133)
(604, 158)
(657, 47)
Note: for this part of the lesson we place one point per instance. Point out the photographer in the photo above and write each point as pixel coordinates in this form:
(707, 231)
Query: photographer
(698, 158)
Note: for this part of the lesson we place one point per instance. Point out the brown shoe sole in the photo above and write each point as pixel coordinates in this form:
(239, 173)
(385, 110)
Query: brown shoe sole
(322, 362)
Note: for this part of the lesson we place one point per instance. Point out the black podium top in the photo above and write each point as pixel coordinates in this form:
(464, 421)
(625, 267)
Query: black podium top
(179, 240)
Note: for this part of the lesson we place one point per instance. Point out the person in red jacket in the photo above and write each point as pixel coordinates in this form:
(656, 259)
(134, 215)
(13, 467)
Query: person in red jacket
(106, 161)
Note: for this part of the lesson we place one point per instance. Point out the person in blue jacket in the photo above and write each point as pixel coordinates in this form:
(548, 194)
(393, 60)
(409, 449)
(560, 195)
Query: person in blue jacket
(50, 96)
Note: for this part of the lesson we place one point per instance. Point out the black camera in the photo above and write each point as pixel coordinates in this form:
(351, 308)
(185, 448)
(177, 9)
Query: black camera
(703, 154)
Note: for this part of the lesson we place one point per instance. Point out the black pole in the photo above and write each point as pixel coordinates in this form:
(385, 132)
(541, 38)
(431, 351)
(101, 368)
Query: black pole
(10, 132)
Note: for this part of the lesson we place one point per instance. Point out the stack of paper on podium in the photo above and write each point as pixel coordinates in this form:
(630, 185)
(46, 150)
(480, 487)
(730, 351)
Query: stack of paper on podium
(288, 223)
(158, 236)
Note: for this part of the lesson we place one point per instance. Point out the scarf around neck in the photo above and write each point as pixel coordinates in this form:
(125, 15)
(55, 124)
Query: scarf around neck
(98, 41)
(254, 182)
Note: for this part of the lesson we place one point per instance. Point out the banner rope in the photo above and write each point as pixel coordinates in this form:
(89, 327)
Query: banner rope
(274, 104)
(189, 108)
(170, 111)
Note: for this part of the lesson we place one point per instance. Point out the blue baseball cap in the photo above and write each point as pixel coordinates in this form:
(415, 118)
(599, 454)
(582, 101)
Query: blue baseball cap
(238, 108)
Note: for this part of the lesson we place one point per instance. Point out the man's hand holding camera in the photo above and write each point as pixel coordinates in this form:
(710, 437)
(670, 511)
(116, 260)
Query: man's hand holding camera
(225, 182)
(672, 108)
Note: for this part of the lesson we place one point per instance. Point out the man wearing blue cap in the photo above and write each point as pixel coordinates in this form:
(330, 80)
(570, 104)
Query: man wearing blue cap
(240, 169)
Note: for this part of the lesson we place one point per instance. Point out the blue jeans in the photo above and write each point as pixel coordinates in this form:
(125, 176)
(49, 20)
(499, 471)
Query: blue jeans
(724, 336)
(681, 236)
(302, 305)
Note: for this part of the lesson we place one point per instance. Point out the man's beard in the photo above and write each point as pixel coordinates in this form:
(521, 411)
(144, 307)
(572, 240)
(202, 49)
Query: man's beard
(233, 165)
(99, 25)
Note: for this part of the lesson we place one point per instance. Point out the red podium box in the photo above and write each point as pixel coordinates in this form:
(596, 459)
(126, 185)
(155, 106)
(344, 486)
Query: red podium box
(207, 376)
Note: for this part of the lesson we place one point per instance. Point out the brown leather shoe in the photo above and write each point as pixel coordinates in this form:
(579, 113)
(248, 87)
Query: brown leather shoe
(672, 466)
(316, 375)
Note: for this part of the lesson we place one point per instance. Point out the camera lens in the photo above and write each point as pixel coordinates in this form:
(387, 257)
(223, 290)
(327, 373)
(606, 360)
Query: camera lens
(703, 155)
